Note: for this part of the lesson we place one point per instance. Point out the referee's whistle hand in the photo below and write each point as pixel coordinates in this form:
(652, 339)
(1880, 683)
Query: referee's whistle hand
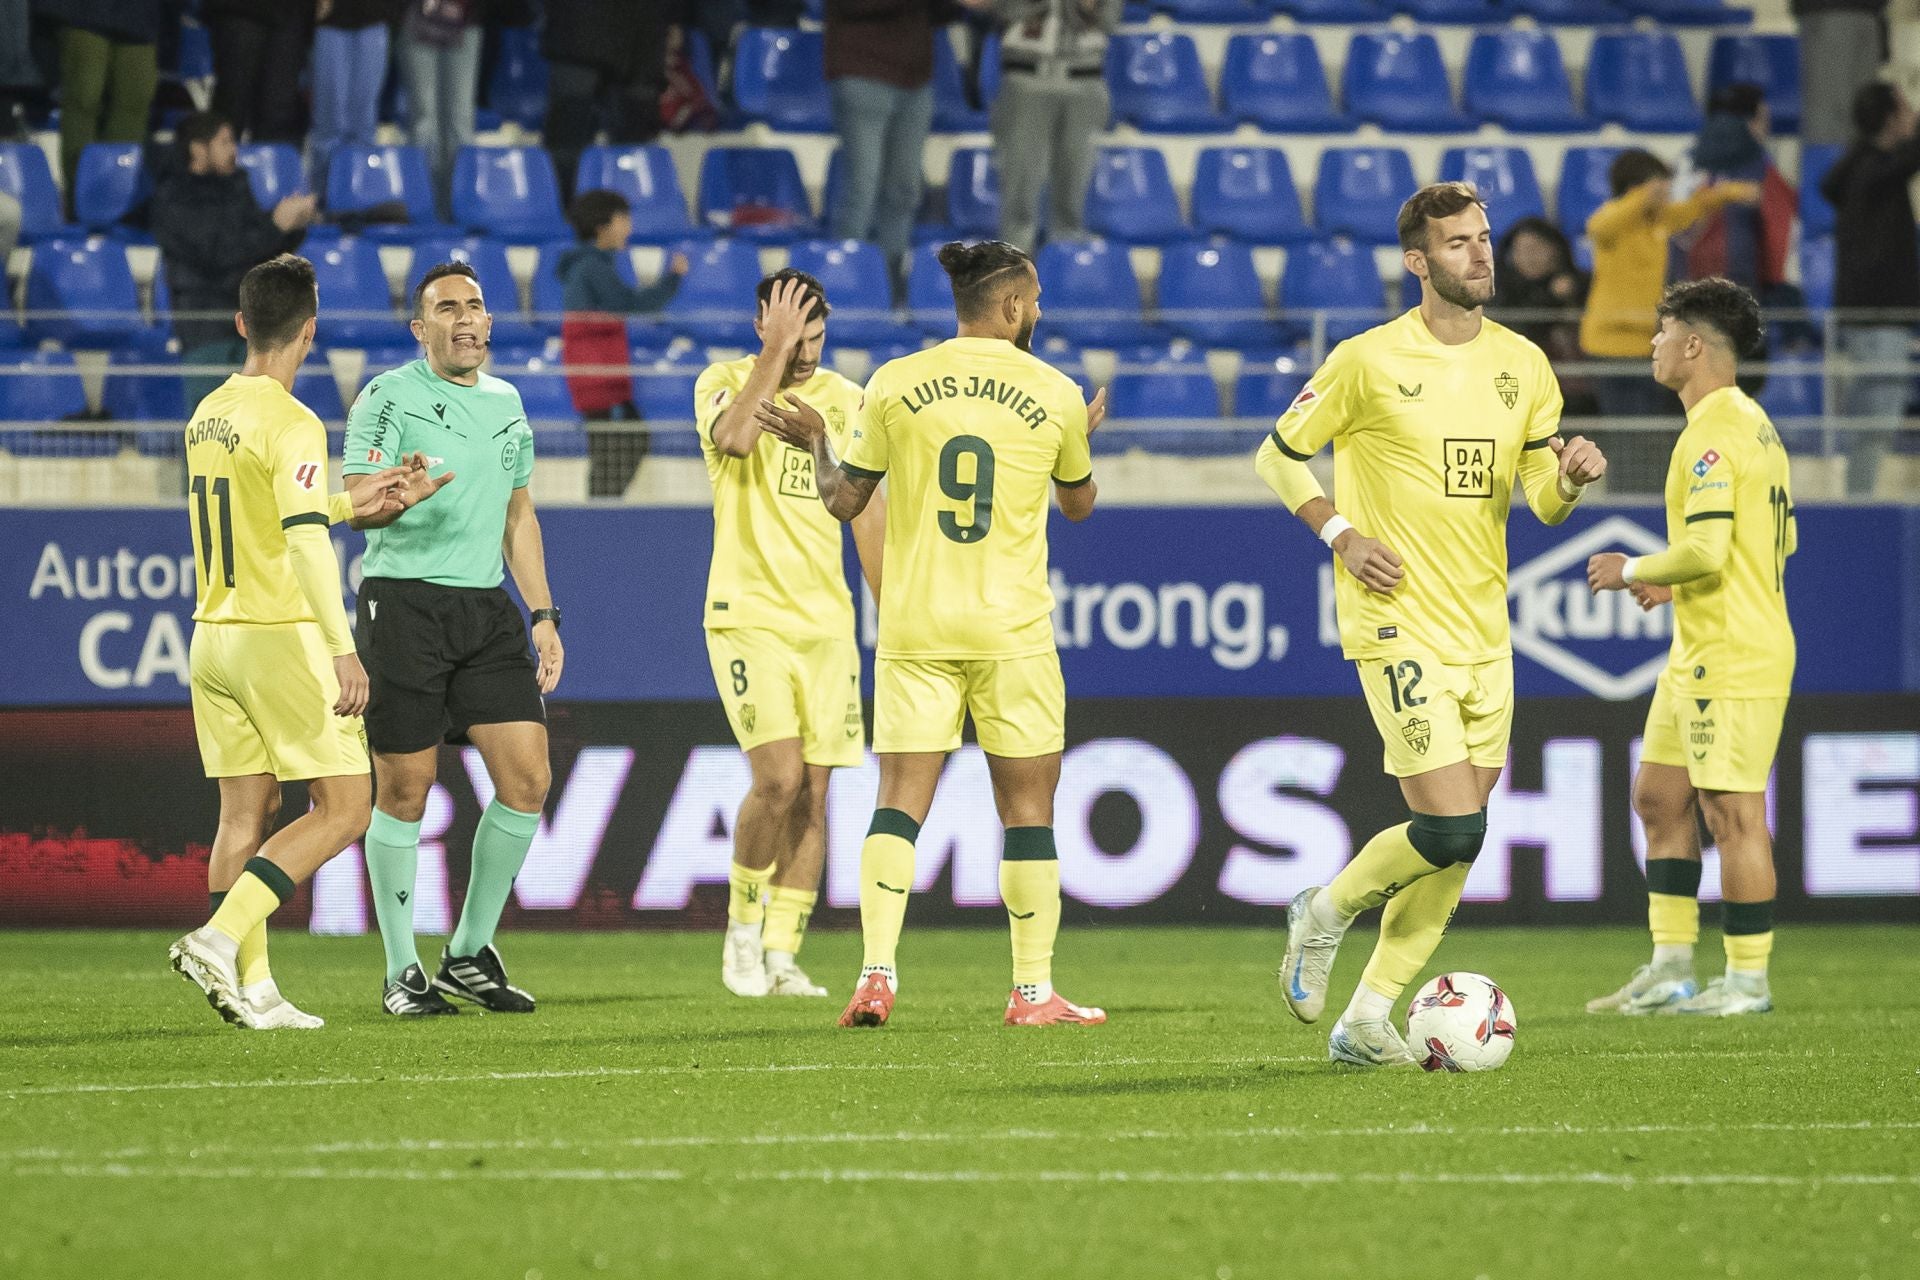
(353, 685)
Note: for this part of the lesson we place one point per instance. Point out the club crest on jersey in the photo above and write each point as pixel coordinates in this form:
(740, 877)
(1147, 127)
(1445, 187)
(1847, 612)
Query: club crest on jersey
(1419, 734)
(837, 420)
(1509, 388)
(749, 714)
(1708, 461)
(305, 473)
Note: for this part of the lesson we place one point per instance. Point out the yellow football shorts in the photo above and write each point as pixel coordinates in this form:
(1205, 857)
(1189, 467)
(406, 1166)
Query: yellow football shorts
(776, 687)
(263, 703)
(1431, 714)
(1724, 744)
(1019, 705)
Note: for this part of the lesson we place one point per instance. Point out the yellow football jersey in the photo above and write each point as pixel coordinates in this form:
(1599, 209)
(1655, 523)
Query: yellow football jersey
(256, 466)
(971, 435)
(1427, 440)
(776, 550)
(1731, 634)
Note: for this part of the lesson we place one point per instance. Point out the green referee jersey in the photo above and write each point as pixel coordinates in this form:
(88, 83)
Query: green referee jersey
(480, 433)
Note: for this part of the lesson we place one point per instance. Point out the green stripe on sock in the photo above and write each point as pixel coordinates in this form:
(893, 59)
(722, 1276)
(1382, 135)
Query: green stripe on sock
(1746, 917)
(1679, 877)
(1029, 844)
(892, 822)
(214, 900)
(273, 877)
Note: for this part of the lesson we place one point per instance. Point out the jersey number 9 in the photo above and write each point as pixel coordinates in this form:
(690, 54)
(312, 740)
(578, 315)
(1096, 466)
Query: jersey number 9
(978, 491)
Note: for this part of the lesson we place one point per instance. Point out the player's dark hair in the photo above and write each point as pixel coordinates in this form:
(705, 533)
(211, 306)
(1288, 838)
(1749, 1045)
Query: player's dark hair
(591, 211)
(276, 299)
(979, 271)
(1718, 304)
(1742, 98)
(197, 126)
(1429, 204)
(1631, 168)
(1873, 105)
(440, 271)
(814, 293)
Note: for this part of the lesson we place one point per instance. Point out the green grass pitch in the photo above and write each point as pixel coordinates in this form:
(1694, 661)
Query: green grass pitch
(644, 1123)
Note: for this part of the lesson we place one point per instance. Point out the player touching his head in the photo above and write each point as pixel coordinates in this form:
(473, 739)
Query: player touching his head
(972, 436)
(780, 628)
(276, 683)
(1431, 417)
(1716, 714)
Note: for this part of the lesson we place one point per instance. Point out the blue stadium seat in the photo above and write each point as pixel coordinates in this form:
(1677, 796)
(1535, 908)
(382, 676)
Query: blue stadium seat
(1770, 61)
(60, 444)
(930, 292)
(517, 85)
(488, 258)
(85, 292)
(532, 369)
(1131, 197)
(1792, 391)
(1505, 178)
(12, 334)
(1816, 272)
(273, 171)
(1515, 79)
(352, 281)
(1639, 79)
(27, 177)
(1247, 193)
(144, 397)
(1398, 82)
(715, 303)
(1341, 11)
(646, 177)
(507, 192)
(1816, 214)
(317, 388)
(780, 79)
(754, 193)
(34, 396)
(951, 111)
(1454, 12)
(358, 178)
(1359, 192)
(1157, 84)
(855, 276)
(1689, 13)
(375, 361)
(973, 193)
(1210, 292)
(663, 392)
(1214, 10)
(1572, 13)
(110, 183)
(1268, 383)
(1276, 81)
(1583, 186)
(1091, 294)
(1330, 275)
(549, 294)
(1143, 397)
(193, 55)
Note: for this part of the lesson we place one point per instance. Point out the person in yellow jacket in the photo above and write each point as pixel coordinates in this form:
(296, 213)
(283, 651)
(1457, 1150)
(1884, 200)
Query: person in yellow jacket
(1630, 234)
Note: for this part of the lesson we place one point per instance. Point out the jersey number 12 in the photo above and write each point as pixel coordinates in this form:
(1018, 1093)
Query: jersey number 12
(222, 495)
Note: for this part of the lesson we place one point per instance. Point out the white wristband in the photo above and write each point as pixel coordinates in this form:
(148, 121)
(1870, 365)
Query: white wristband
(1627, 569)
(1333, 528)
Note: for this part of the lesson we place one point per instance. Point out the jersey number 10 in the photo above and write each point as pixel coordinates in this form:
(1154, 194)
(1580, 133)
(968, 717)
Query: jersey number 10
(1782, 512)
(978, 492)
(221, 493)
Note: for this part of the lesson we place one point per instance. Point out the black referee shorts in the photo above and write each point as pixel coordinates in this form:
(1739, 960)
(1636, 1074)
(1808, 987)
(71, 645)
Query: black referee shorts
(441, 660)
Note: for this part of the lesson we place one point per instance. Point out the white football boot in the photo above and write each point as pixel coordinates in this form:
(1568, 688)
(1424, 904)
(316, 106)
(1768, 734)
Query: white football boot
(211, 961)
(742, 963)
(1651, 989)
(791, 980)
(1375, 1043)
(1309, 959)
(1727, 997)
(268, 1010)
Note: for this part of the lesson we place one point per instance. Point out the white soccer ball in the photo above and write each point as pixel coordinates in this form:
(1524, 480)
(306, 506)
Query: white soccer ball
(1461, 1022)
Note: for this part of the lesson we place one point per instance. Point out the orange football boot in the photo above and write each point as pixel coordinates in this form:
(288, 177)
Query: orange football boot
(872, 1003)
(1056, 1010)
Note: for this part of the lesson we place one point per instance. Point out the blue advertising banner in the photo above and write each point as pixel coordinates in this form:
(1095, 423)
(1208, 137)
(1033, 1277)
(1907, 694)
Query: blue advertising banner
(1153, 602)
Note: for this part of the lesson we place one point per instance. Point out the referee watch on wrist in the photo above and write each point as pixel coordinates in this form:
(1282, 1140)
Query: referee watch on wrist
(544, 615)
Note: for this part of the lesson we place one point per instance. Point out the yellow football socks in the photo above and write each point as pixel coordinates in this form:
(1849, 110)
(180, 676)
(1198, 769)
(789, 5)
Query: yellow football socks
(253, 948)
(886, 878)
(787, 913)
(746, 893)
(1748, 935)
(1411, 928)
(1673, 901)
(1385, 866)
(1030, 886)
(257, 894)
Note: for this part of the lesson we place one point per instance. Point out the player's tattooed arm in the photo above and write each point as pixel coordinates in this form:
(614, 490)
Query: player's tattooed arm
(844, 492)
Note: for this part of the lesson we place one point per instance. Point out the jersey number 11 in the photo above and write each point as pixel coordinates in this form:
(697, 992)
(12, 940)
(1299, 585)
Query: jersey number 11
(221, 493)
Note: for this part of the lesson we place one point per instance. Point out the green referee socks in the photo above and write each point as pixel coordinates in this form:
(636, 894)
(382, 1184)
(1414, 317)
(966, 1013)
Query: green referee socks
(393, 859)
(499, 851)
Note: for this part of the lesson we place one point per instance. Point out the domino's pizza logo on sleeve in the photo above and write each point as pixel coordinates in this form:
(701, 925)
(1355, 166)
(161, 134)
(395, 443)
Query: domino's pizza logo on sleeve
(1707, 462)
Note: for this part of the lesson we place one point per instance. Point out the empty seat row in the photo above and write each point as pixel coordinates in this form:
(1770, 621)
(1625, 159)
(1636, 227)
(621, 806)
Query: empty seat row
(1583, 13)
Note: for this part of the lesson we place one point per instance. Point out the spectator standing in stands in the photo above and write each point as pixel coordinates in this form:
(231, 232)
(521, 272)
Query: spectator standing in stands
(349, 69)
(598, 301)
(9, 237)
(1052, 106)
(1842, 44)
(259, 47)
(1534, 275)
(211, 232)
(1876, 267)
(440, 59)
(604, 58)
(108, 72)
(880, 69)
(1746, 243)
(1630, 246)
(19, 75)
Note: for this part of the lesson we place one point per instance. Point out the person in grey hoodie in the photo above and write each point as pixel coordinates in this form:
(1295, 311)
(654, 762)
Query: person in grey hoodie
(1051, 108)
(597, 301)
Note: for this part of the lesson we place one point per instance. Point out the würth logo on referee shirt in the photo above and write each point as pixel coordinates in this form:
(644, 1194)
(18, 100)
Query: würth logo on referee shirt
(305, 474)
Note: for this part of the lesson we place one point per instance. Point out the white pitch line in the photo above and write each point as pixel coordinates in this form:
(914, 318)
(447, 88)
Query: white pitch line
(1143, 1177)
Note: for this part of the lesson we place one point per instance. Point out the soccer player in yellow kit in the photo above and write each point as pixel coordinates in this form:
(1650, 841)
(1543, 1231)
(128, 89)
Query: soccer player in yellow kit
(780, 629)
(276, 683)
(1715, 720)
(971, 435)
(1431, 416)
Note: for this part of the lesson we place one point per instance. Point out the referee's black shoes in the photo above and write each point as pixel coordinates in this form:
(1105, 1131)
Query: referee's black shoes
(411, 996)
(482, 979)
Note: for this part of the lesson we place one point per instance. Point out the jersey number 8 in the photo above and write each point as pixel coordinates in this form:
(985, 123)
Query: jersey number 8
(978, 491)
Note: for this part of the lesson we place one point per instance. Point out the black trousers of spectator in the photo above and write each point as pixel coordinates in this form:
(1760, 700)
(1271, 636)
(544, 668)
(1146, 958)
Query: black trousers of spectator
(579, 98)
(256, 77)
